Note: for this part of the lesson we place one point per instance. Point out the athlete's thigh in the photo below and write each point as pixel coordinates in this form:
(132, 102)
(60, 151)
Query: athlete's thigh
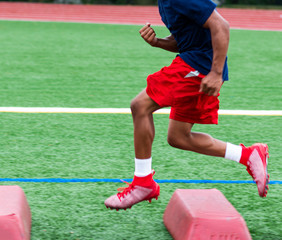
(178, 127)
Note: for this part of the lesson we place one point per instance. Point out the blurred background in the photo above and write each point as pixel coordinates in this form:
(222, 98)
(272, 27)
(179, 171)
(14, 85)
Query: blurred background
(225, 3)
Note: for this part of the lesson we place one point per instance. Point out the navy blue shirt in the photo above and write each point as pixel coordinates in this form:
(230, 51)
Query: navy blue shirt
(185, 20)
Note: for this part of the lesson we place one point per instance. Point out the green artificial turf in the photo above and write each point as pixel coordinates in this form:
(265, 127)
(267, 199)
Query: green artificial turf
(101, 146)
(94, 65)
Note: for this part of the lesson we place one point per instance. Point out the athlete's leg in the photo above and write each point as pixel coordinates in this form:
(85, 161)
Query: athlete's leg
(157, 95)
(180, 136)
(143, 186)
(254, 157)
(142, 108)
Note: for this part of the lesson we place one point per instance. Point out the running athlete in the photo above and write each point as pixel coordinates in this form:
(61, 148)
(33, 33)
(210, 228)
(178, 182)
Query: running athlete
(190, 85)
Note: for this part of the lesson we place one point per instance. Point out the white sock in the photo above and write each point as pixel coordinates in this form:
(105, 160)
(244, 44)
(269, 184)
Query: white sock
(233, 152)
(143, 167)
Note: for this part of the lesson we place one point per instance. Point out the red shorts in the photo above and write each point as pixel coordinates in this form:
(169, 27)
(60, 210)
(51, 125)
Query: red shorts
(178, 86)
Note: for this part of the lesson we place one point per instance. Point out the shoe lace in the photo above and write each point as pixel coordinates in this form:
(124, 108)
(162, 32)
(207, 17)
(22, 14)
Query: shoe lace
(123, 191)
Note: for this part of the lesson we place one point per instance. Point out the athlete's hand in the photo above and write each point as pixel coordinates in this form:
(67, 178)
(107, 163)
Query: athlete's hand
(148, 34)
(211, 84)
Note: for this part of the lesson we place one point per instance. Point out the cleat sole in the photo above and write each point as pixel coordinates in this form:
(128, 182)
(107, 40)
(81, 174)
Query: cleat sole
(267, 175)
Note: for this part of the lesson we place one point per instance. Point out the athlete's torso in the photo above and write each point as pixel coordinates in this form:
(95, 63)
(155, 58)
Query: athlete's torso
(185, 20)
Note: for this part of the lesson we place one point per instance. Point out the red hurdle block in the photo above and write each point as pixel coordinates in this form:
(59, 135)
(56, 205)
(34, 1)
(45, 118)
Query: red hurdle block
(15, 215)
(203, 214)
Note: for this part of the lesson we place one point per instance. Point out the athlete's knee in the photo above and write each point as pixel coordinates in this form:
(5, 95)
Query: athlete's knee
(143, 105)
(137, 106)
(179, 140)
(172, 141)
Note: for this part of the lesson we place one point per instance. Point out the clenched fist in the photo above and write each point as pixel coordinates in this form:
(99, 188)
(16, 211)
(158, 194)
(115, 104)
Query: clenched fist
(148, 34)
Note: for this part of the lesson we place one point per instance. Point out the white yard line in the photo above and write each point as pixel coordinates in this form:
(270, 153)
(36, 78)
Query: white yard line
(127, 111)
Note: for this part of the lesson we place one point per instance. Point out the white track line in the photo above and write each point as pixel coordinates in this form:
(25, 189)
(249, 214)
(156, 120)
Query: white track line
(127, 111)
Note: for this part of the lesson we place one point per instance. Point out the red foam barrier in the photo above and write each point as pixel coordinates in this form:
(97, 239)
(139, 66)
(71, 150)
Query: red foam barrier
(15, 215)
(203, 214)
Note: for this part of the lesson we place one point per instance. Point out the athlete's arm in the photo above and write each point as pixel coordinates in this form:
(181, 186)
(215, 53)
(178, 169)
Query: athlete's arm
(149, 35)
(219, 29)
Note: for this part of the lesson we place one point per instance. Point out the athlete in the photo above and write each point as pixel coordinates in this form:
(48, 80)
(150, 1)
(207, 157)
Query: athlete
(190, 85)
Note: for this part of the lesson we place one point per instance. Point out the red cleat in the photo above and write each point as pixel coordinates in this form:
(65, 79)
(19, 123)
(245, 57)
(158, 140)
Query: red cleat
(141, 189)
(257, 166)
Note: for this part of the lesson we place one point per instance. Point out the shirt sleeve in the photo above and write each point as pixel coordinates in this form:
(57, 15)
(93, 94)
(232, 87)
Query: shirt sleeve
(196, 10)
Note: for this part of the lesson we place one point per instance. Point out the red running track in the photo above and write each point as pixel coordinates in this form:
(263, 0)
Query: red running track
(238, 18)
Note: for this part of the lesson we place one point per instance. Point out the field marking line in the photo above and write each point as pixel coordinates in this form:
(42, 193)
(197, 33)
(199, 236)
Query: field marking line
(115, 180)
(127, 111)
